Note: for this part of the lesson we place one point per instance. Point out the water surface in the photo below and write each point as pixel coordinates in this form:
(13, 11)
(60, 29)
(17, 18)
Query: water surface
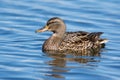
(21, 57)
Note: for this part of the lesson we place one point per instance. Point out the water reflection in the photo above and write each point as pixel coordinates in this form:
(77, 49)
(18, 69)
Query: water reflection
(60, 59)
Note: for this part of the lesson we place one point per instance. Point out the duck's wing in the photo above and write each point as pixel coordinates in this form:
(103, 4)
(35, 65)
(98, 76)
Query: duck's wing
(82, 36)
(75, 41)
(71, 37)
(95, 37)
(81, 40)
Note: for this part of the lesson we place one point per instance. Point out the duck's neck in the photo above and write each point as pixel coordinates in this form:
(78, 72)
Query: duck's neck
(54, 41)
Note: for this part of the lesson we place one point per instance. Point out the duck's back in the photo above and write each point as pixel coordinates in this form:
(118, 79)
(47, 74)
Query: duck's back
(81, 40)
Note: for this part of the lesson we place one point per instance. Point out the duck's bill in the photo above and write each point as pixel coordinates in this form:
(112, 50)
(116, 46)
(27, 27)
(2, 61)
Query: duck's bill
(42, 29)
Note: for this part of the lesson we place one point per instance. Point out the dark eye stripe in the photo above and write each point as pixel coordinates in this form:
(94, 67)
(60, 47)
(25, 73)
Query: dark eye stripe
(55, 22)
(50, 23)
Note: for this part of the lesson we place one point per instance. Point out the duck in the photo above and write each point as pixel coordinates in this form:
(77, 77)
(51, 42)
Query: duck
(61, 40)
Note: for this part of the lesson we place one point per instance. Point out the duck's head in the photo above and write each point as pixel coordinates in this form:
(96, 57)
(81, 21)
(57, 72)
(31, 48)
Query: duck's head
(55, 25)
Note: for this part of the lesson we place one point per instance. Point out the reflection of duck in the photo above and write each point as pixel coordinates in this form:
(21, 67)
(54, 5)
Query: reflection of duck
(81, 57)
(61, 62)
(61, 40)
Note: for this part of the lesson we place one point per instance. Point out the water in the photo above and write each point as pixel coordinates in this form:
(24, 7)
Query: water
(21, 57)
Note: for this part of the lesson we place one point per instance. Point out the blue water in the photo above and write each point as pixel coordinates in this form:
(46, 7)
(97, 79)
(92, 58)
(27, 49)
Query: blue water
(21, 57)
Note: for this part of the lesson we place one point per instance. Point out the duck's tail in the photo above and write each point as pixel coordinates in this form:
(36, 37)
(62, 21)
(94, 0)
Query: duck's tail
(102, 41)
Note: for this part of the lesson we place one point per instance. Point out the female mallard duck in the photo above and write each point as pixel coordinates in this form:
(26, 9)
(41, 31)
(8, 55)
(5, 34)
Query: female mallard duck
(62, 40)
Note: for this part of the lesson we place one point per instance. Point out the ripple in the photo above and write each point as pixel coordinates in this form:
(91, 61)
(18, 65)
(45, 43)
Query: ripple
(21, 49)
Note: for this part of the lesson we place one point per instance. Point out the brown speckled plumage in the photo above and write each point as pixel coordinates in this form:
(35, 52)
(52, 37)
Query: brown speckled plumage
(61, 40)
